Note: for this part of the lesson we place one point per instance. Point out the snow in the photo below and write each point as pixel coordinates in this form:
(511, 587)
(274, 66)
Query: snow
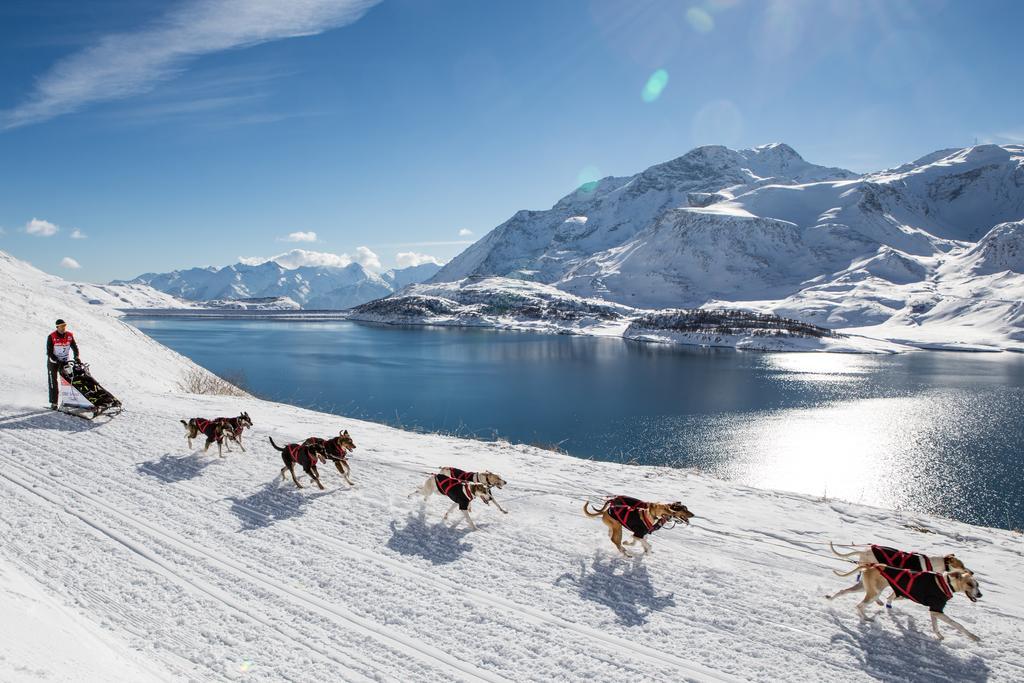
(164, 564)
(505, 303)
(311, 287)
(53, 642)
(124, 296)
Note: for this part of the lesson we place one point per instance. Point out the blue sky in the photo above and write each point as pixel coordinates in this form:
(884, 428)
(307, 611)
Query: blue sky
(177, 134)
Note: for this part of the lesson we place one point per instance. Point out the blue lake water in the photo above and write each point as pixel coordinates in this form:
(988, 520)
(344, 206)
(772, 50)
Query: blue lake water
(933, 432)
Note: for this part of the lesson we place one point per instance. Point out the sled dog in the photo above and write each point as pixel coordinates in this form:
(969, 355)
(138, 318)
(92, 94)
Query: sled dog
(639, 517)
(932, 589)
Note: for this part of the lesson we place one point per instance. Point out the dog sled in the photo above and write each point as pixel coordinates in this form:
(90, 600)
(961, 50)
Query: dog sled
(81, 395)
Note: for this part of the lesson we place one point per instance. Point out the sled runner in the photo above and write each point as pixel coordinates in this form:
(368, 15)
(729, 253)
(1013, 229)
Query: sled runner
(81, 395)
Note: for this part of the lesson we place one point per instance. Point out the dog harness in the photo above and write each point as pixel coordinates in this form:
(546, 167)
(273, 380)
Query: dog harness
(295, 452)
(634, 515)
(461, 475)
(232, 425)
(208, 428)
(328, 445)
(892, 557)
(457, 490)
(925, 588)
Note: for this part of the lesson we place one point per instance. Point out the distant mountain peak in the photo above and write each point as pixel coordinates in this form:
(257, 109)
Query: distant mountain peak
(311, 286)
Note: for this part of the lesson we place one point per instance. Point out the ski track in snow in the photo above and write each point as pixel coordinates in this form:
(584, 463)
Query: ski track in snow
(207, 564)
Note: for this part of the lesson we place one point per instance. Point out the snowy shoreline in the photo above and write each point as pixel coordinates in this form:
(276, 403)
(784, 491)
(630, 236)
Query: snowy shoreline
(854, 342)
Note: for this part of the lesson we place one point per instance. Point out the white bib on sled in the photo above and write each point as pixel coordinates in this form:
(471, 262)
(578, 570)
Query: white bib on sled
(71, 397)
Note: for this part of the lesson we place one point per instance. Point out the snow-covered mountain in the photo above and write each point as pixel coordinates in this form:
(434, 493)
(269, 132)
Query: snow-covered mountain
(547, 246)
(312, 287)
(764, 229)
(400, 278)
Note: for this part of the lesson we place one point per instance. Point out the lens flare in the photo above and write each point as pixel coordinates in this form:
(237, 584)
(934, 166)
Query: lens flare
(699, 20)
(587, 179)
(655, 84)
(245, 666)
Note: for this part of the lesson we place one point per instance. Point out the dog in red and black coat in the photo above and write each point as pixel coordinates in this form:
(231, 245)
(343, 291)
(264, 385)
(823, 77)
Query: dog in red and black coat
(234, 426)
(213, 430)
(461, 493)
(305, 456)
(902, 559)
(639, 517)
(932, 589)
(336, 449)
(488, 479)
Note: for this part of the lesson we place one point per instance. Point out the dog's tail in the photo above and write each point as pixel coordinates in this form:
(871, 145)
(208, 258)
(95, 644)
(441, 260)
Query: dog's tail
(842, 554)
(597, 512)
(183, 422)
(276, 448)
(858, 568)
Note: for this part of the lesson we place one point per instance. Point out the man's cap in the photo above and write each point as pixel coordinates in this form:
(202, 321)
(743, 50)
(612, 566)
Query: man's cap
(60, 322)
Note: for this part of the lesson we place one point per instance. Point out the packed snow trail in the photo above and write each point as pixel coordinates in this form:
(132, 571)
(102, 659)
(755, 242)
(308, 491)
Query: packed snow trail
(357, 583)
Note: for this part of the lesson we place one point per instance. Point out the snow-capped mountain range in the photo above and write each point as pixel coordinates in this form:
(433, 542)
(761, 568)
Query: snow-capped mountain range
(311, 287)
(929, 244)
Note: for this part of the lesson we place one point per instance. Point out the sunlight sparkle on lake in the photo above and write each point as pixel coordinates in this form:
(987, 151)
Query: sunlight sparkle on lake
(879, 451)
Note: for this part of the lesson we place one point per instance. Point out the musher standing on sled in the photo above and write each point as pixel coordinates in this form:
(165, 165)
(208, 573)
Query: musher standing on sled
(59, 345)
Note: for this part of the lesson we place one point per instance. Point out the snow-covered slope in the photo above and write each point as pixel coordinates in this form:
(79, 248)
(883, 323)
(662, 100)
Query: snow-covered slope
(763, 229)
(45, 640)
(183, 566)
(30, 302)
(125, 296)
(399, 278)
(312, 287)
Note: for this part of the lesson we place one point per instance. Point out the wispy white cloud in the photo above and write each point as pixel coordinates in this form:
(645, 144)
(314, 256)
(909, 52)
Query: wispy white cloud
(1003, 137)
(68, 262)
(405, 259)
(297, 258)
(120, 65)
(41, 228)
(180, 108)
(299, 237)
(465, 232)
(77, 234)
